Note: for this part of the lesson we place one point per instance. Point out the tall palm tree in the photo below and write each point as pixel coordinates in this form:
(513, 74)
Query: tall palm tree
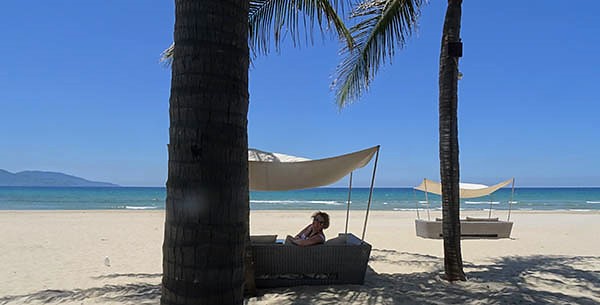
(382, 26)
(207, 189)
(449, 162)
(207, 212)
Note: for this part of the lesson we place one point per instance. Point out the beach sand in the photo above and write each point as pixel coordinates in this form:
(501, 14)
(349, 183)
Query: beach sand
(54, 257)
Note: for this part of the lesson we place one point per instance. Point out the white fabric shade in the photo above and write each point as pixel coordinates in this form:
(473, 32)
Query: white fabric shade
(279, 172)
(467, 190)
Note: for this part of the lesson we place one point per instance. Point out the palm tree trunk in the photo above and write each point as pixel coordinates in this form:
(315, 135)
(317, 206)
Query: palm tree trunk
(207, 208)
(449, 165)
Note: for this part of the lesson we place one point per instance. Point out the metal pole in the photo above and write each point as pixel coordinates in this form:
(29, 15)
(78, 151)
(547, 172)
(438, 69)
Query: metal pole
(416, 203)
(491, 200)
(427, 198)
(348, 209)
(370, 195)
(512, 193)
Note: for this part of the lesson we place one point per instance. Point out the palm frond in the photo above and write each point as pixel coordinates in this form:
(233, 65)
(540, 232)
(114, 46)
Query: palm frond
(284, 16)
(272, 20)
(383, 25)
(166, 57)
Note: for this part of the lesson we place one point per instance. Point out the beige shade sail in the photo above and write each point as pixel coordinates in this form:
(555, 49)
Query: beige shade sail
(467, 190)
(279, 172)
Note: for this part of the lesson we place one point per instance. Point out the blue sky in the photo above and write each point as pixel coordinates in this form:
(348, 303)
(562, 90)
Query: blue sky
(83, 93)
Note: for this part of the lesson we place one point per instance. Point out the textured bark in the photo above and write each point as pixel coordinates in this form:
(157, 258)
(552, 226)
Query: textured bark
(207, 208)
(249, 274)
(449, 165)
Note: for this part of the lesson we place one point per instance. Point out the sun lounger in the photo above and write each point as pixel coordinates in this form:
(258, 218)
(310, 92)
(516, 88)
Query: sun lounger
(341, 260)
(470, 228)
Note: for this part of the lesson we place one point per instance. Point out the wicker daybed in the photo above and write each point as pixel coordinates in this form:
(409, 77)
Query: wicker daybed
(470, 227)
(341, 260)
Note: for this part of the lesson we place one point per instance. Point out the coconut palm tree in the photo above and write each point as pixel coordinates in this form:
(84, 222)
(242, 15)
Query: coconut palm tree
(207, 205)
(449, 162)
(382, 26)
(207, 187)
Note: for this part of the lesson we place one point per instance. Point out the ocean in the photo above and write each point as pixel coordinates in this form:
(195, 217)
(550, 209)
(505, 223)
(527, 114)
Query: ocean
(391, 199)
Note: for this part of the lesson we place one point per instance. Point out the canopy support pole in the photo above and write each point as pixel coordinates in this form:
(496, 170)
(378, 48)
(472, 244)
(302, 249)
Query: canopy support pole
(512, 193)
(416, 203)
(491, 201)
(427, 199)
(348, 205)
(370, 195)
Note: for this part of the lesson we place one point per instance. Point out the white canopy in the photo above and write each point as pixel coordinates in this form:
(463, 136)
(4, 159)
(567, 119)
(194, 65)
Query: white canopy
(279, 172)
(467, 190)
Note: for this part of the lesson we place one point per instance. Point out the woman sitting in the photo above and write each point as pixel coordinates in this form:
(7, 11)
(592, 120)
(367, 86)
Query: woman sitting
(313, 233)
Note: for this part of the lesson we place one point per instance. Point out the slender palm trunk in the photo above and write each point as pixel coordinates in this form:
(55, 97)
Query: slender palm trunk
(449, 165)
(207, 189)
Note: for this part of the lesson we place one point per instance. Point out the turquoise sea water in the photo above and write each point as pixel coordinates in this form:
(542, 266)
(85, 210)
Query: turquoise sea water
(140, 198)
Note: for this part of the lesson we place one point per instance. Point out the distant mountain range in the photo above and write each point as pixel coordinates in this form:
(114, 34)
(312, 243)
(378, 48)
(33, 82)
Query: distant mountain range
(40, 178)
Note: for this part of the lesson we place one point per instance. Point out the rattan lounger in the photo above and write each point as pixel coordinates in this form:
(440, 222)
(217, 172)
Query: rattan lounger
(342, 260)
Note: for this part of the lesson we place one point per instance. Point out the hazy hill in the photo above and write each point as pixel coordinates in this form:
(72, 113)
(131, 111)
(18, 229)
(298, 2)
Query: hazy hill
(40, 178)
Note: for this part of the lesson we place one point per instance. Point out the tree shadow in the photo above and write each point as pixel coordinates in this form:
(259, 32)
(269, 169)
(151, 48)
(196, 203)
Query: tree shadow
(143, 293)
(508, 280)
(134, 275)
(404, 258)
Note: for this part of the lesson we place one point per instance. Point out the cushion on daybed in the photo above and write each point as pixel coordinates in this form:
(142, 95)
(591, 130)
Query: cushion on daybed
(481, 219)
(469, 218)
(340, 240)
(263, 239)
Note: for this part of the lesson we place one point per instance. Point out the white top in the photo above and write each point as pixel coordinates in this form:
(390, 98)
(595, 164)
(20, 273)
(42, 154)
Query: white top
(467, 190)
(279, 172)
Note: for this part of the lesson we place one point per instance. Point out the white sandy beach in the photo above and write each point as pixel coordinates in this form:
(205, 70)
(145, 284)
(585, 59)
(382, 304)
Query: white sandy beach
(56, 257)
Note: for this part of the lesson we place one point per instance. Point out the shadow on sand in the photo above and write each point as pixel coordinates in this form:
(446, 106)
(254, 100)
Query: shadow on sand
(143, 293)
(133, 275)
(508, 280)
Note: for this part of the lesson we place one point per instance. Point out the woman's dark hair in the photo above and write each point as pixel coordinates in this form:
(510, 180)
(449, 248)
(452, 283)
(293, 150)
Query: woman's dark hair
(325, 217)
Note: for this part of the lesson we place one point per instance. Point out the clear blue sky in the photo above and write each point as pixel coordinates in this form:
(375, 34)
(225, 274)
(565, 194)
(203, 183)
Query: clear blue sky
(82, 92)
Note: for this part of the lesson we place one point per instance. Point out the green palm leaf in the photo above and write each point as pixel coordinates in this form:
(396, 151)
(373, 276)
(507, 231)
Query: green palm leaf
(166, 56)
(382, 26)
(282, 17)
